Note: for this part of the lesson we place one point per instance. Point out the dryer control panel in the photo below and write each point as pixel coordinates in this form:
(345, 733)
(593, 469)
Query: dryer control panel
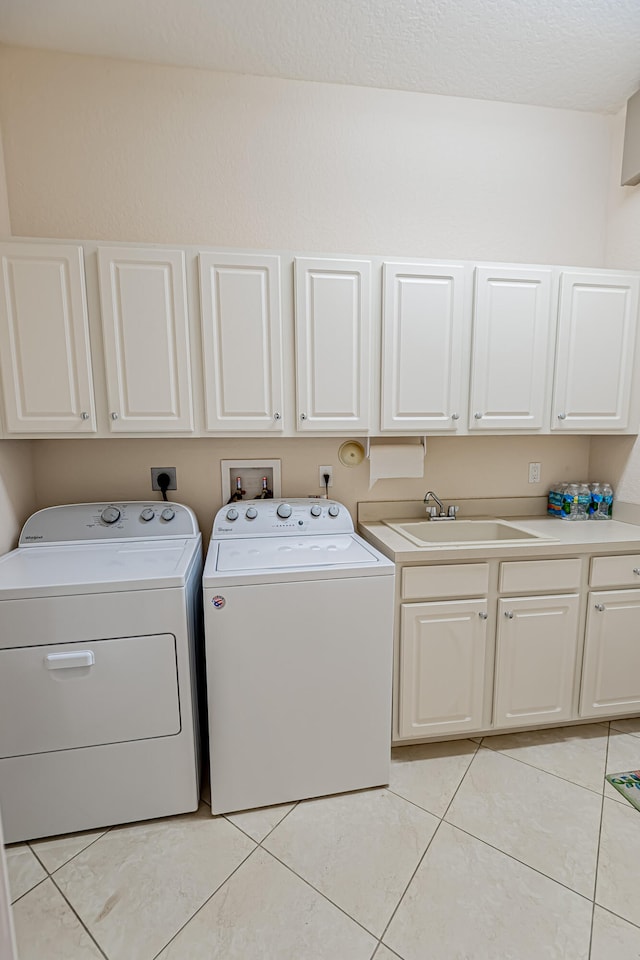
(270, 518)
(115, 520)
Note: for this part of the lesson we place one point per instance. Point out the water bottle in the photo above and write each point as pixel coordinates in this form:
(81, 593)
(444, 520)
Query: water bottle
(570, 504)
(607, 501)
(584, 501)
(596, 500)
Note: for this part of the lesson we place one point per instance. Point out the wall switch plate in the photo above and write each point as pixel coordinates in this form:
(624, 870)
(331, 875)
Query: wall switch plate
(171, 471)
(534, 473)
(321, 473)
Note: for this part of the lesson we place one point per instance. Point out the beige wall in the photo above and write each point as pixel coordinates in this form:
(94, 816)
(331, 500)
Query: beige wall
(97, 148)
(17, 489)
(82, 470)
(5, 222)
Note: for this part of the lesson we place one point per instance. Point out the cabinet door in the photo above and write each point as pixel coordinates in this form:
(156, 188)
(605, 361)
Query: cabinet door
(442, 667)
(595, 353)
(422, 346)
(333, 333)
(143, 296)
(535, 659)
(611, 666)
(509, 355)
(242, 341)
(44, 340)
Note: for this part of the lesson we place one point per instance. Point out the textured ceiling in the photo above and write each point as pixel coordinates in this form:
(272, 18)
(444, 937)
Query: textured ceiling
(580, 54)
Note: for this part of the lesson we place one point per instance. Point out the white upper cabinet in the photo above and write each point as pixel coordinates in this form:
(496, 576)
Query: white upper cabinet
(143, 298)
(44, 340)
(242, 341)
(510, 351)
(424, 333)
(333, 324)
(595, 352)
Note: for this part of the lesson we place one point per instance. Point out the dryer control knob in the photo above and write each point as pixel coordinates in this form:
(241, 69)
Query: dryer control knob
(110, 515)
(333, 510)
(316, 510)
(251, 513)
(147, 514)
(284, 511)
(168, 513)
(232, 514)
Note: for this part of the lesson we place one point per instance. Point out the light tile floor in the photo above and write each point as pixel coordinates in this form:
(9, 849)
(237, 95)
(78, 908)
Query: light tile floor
(507, 848)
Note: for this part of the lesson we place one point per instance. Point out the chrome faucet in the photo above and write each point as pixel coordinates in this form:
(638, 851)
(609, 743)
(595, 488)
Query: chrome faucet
(449, 514)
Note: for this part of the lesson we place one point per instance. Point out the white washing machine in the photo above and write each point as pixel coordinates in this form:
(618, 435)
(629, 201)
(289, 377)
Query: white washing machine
(298, 643)
(99, 613)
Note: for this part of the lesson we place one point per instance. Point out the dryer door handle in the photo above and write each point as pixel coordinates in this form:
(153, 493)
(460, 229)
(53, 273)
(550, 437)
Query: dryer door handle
(62, 661)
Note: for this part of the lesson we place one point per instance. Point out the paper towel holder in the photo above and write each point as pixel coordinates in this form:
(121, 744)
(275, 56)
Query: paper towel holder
(423, 443)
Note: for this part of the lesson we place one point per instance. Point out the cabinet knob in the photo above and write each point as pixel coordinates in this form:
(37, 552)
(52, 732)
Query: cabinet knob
(562, 416)
(600, 607)
(455, 416)
(114, 416)
(277, 416)
(509, 614)
(477, 416)
(303, 416)
(636, 570)
(84, 415)
(483, 615)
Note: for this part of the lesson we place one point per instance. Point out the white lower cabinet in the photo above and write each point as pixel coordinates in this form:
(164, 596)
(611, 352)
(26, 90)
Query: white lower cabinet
(536, 646)
(443, 649)
(611, 666)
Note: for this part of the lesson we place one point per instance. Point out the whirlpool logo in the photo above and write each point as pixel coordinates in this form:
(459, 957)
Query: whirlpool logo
(218, 602)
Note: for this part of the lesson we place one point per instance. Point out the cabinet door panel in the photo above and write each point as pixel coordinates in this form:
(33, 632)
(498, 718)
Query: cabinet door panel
(511, 331)
(44, 340)
(596, 340)
(333, 321)
(242, 340)
(611, 666)
(442, 667)
(423, 330)
(535, 659)
(146, 339)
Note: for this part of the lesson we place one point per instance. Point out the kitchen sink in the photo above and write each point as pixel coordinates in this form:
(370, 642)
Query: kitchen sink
(461, 531)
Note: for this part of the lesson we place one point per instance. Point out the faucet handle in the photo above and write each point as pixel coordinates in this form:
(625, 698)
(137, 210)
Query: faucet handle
(453, 510)
(432, 511)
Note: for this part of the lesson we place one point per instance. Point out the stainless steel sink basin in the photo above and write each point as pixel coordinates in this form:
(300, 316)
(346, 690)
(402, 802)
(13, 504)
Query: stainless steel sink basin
(461, 531)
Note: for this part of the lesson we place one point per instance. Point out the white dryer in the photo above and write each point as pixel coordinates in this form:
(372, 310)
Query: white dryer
(298, 642)
(99, 613)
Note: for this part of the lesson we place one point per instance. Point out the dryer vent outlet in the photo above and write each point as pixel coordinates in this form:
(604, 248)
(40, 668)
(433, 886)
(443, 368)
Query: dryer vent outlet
(171, 473)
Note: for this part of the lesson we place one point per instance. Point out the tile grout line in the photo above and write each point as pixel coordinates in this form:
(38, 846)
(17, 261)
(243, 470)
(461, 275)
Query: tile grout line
(542, 770)
(205, 902)
(321, 894)
(435, 832)
(27, 892)
(79, 918)
(61, 865)
(595, 879)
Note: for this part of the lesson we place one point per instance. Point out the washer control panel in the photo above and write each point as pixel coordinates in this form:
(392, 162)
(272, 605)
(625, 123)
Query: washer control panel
(84, 522)
(268, 518)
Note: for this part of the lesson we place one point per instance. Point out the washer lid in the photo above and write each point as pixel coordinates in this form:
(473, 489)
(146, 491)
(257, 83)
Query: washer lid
(50, 571)
(300, 553)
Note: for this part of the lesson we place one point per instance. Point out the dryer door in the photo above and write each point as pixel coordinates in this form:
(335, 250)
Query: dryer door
(69, 695)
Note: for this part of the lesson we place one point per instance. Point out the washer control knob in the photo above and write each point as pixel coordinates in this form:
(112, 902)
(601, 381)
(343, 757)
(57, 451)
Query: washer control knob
(168, 514)
(316, 510)
(147, 514)
(251, 513)
(333, 510)
(284, 510)
(232, 514)
(110, 515)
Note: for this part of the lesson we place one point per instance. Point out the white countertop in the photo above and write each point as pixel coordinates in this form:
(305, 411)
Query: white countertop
(561, 538)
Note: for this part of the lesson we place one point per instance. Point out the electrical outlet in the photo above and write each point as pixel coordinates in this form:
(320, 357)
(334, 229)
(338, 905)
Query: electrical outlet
(534, 473)
(321, 473)
(171, 471)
